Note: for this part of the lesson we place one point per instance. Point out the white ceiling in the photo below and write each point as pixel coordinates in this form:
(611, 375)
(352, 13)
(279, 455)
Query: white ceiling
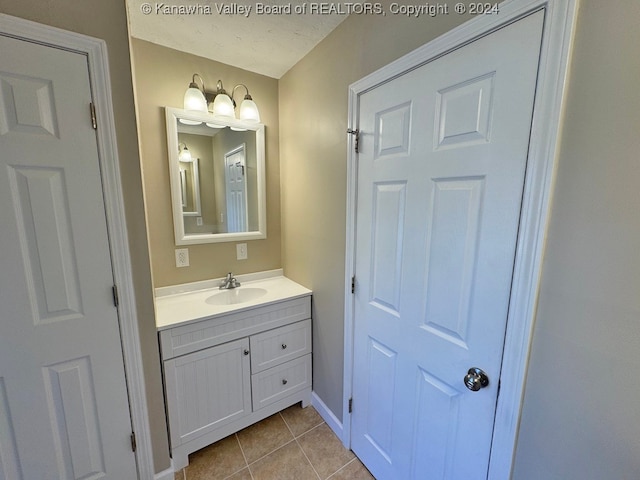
(269, 44)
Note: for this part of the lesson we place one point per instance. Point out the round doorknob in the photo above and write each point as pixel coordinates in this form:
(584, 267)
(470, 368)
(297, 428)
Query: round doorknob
(475, 379)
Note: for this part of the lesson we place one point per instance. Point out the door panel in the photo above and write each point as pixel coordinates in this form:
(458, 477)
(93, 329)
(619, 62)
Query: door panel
(381, 364)
(387, 233)
(443, 152)
(44, 225)
(64, 408)
(72, 406)
(451, 256)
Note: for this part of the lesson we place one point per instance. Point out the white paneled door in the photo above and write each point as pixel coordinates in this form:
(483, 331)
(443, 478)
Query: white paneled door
(443, 151)
(64, 410)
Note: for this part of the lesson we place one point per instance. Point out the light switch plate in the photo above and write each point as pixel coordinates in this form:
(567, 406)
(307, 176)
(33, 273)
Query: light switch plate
(182, 257)
(241, 251)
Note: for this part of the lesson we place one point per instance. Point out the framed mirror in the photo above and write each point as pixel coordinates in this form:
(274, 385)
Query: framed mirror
(217, 176)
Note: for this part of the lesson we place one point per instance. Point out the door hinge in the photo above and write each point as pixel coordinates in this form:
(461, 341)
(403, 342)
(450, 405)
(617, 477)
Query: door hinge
(351, 405)
(353, 284)
(134, 446)
(355, 132)
(116, 299)
(94, 119)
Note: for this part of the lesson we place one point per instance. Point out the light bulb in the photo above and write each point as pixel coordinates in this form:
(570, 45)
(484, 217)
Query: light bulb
(185, 155)
(194, 100)
(249, 111)
(223, 106)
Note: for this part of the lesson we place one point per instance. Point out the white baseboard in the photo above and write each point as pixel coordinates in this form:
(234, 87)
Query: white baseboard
(327, 415)
(167, 474)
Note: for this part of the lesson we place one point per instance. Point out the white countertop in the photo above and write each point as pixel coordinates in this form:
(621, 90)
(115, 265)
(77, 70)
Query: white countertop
(181, 304)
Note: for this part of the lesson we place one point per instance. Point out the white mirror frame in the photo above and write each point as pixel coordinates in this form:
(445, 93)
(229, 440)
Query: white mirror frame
(181, 237)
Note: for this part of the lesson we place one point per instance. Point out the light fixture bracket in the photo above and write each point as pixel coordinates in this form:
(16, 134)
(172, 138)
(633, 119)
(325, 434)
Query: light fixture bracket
(211, 95)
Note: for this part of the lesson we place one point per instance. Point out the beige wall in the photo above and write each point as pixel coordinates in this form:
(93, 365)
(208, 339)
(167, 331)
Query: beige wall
(107, 20)
(313, 147)
(161, 76)
(581, 418)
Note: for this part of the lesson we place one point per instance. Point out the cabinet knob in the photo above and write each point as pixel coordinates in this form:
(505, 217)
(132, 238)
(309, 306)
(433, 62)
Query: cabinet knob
(284, 381)
(246, 352)
(284, 345)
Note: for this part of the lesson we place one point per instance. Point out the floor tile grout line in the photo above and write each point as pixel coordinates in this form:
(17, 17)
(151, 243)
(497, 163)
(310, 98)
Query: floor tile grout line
(309, 431)
(305, 453)
(305, 456)
(246, 463)
(294, 439)
(272, 451)
(287, 425)
(306, 431)
(238, 471)
(241, 449)
(342, 468)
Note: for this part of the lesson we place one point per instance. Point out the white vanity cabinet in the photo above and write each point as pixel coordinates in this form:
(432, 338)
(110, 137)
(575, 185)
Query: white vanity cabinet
(227, 372)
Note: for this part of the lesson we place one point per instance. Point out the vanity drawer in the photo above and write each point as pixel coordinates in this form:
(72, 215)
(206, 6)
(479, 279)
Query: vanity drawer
(278, 382)
(280, 345)
(215, 331)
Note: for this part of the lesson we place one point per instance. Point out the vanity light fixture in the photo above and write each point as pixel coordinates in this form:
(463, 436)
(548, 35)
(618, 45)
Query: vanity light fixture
(184, 155)
(219, 102)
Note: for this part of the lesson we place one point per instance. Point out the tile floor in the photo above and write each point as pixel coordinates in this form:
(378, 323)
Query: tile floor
(295, 444)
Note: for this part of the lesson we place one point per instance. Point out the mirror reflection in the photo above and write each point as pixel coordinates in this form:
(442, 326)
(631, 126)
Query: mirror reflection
(217, 178)
(190, 187)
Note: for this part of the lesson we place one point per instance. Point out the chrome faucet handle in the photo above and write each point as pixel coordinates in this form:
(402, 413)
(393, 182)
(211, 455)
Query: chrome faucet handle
(229, 282)
(226, 282)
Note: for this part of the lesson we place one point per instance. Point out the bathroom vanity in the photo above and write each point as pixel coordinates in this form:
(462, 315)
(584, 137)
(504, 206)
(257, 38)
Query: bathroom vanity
(231, 357)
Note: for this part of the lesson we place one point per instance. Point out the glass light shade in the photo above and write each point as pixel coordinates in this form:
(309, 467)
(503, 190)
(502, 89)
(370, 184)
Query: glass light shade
(185, 155)
(223, 106)
(194, 100)
(249, 111)
(189, 122)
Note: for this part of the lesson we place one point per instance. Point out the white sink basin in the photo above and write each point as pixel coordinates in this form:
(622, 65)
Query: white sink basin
(235, 295)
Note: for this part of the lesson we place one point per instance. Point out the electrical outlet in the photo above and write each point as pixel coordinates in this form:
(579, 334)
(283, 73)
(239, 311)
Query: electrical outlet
(199, 221)
(241, 251)
(182, 257)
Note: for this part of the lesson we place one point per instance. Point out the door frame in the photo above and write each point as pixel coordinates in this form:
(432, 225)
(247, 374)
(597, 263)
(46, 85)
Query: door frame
(557, 39)
(97, 58)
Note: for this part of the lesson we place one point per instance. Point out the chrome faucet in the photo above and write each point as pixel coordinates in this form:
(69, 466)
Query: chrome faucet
(229, 282)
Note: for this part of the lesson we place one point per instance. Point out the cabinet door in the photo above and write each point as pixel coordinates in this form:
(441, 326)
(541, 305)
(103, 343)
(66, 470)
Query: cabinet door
(207, 389)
